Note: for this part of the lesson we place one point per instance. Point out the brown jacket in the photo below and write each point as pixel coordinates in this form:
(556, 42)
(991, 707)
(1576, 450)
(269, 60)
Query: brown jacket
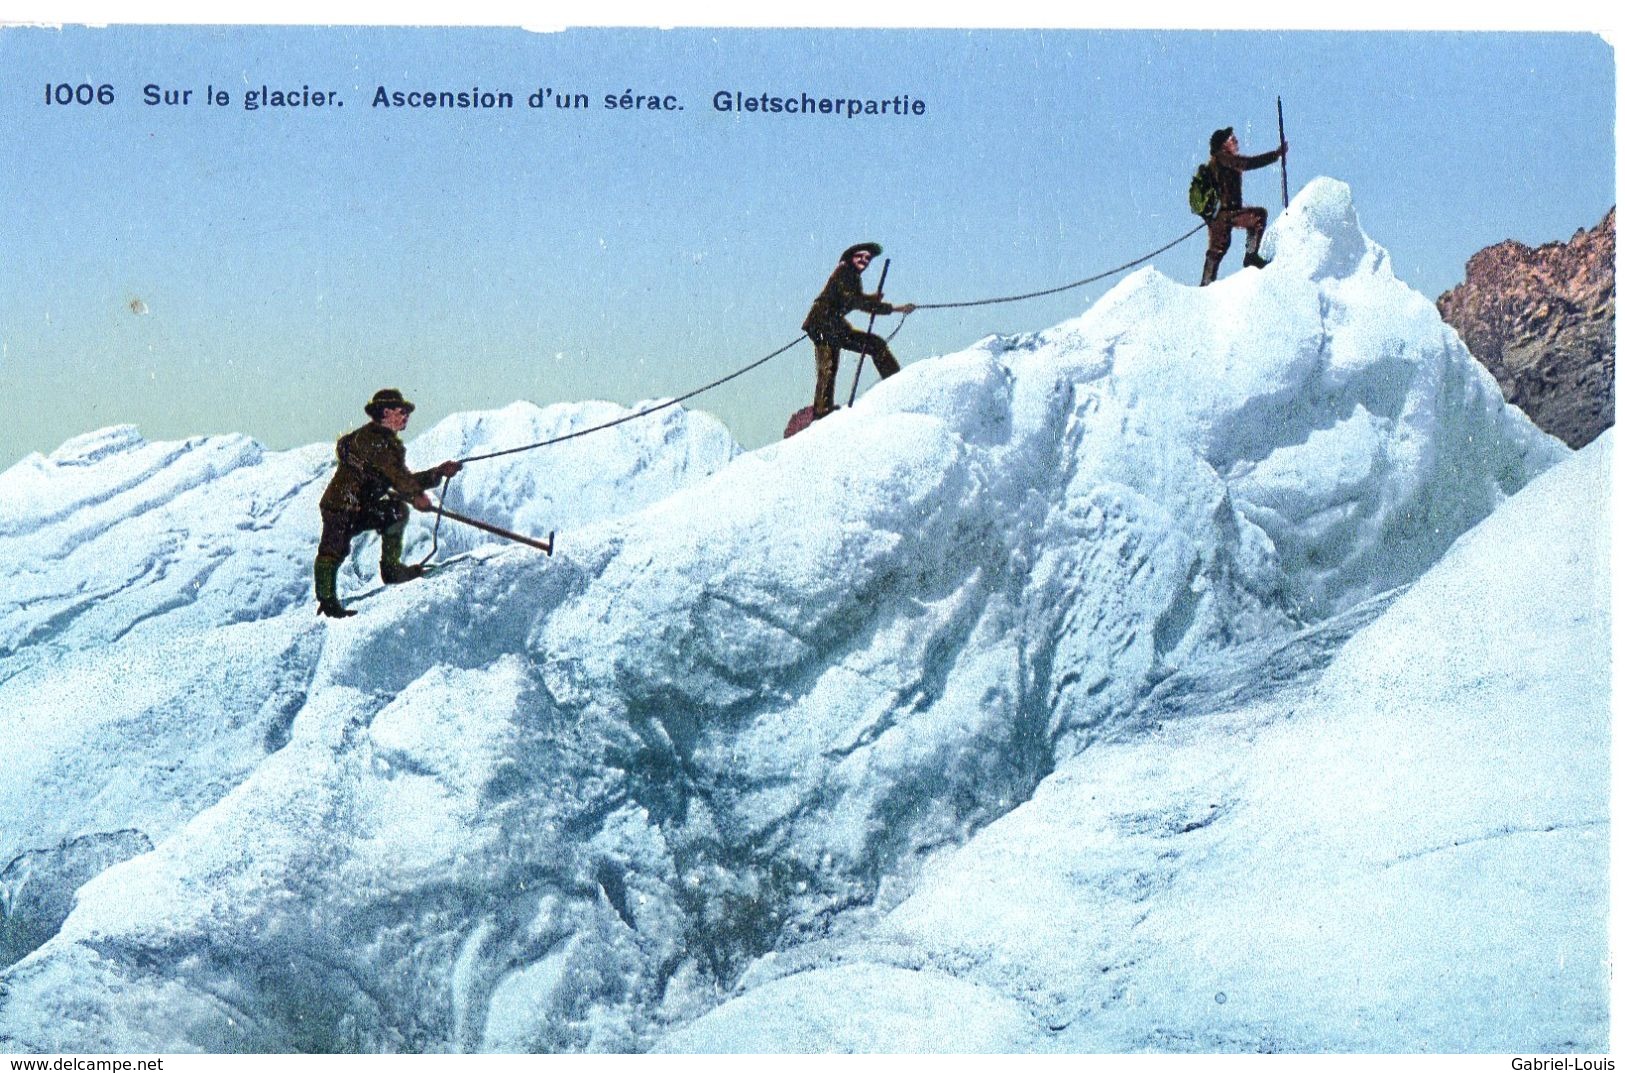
(1227, 169)
(840, 296)
(372, 463)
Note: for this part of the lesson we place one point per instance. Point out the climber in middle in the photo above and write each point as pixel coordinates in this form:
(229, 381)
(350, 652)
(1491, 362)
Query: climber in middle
(826, 324)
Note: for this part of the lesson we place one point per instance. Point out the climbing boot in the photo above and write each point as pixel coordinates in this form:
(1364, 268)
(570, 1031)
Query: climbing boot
(399, 573)
(390, 567)
(1252, 260)
(327, 595)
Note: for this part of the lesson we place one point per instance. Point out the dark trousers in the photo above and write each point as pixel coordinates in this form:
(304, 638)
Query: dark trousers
(1251, 217)
(827, 347)
(339, 527)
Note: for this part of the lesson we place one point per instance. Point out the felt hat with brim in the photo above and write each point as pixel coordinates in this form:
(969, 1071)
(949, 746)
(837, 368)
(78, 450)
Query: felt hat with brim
(387, 399)
(871, 248)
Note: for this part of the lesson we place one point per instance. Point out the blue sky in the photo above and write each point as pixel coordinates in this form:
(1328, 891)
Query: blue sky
(290, 262)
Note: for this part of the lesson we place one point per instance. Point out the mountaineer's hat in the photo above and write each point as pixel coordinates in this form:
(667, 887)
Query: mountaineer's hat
(387, 399)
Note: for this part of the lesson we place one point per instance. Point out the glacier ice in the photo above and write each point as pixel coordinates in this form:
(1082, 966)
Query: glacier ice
(704, 771)
(1405, 851)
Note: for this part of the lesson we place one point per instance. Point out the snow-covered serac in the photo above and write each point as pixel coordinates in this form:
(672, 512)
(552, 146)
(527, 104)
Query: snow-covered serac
(567, 804)
(1409, 852)
(155, 605)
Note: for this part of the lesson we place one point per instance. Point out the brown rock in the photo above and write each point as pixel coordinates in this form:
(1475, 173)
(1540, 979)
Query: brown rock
(1542, 321)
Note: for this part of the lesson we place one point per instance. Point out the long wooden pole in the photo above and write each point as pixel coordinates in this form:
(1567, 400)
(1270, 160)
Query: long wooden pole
(879, 292)
(1280, 125)
(543, 545)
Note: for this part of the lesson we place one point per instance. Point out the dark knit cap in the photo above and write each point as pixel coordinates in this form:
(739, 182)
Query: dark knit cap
(387, 399)
(871, 248)
(1215, 143)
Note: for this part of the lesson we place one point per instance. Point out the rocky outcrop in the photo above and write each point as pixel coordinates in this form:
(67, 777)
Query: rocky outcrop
(1542, 321)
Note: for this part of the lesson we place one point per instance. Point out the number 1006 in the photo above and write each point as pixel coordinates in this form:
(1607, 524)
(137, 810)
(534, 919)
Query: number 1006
(83, 93)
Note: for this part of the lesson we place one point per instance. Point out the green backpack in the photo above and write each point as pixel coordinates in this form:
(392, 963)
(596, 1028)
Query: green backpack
(1205, 192)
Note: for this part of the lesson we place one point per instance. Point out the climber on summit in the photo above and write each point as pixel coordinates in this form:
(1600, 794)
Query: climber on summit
(826, 324)
(367, 493)
(1225, 169)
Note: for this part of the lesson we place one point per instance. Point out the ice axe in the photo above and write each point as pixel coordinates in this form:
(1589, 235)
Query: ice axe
(879, 293)
(441, 512)
(540, 545)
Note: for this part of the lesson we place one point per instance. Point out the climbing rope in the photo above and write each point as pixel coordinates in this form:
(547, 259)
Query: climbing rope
(1066, 287)
(764, 360)
(641, 413)
(439, 515)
